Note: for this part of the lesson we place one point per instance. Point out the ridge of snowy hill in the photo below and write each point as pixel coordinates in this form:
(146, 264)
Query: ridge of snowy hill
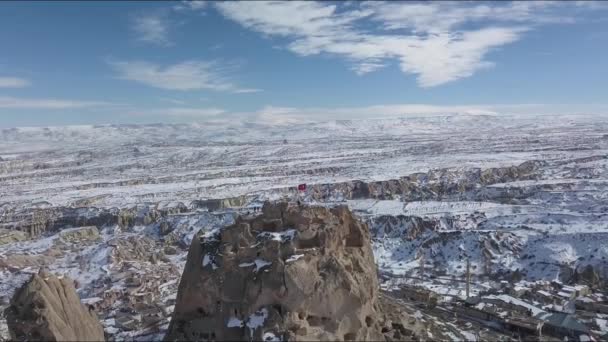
(247, 131)
(114, 165)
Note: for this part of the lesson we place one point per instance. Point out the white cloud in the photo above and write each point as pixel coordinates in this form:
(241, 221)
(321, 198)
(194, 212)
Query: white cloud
(443, 58)
(283, 115)
(594, 5)
(193, 5)
(188, 75)
(299, 18)
(279, 115)
(444, 16)
(173, 101)
(247, 90)
(13, 82)
(29, 103)
(366, 67)
(427, 39)
(152, 28)
(184, 112)
(194, 112)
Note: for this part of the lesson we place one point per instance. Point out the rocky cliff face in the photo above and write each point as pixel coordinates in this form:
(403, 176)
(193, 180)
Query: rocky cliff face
(222, 203)
(292, 273)
(47, 308)
(441, 184)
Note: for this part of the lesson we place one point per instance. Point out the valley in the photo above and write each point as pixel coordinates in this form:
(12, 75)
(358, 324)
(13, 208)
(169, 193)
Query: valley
(512, 206)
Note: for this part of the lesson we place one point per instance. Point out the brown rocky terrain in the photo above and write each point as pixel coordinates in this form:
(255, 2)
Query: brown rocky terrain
(47, 308)
(295, 273)
(10, 236)
(34, 222)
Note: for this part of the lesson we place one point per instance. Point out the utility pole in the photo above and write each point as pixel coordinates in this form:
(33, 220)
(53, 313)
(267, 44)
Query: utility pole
(468, 276)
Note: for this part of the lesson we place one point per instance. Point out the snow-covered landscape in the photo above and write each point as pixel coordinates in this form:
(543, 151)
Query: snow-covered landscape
(197, 170)
(521, 200)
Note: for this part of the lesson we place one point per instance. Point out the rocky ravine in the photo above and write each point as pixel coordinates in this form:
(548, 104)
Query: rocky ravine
(292, 273)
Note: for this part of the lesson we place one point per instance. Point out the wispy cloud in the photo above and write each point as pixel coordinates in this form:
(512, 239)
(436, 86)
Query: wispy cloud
(13, 82)
(285, 115)
(594, 5)
(184, 112)
(152, 28)
(367, 67)
(281, 115)
(187, 75)
(194, 5)
(431, 40)
(445, 16)
(194, 112)
(173, 101)
(247, 90)
(36, 103)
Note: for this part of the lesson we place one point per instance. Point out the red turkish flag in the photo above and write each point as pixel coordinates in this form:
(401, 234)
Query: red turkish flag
(302, 187)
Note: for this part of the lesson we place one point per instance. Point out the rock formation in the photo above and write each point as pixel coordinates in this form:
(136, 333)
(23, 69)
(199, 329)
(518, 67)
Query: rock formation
(47, 308)
(80, 235)
(48, 219)
(139, 248)
(587, 275)
(292, 273)
(440, 184)
(10, 236)
(219, 204)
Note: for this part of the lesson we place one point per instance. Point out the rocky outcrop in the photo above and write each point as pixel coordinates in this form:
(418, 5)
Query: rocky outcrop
(441, 184)
(406, 227)
(16, 262)
(221, 203)
(47, 308)
(80, 235)
(138, 248)
(588, 275)
(292, 273)
(37, 221)
(10, 236)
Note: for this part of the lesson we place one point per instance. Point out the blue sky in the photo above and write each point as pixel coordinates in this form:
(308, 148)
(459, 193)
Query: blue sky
(278, 62)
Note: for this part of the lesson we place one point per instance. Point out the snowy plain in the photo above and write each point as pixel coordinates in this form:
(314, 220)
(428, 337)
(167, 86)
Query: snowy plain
(559, 219)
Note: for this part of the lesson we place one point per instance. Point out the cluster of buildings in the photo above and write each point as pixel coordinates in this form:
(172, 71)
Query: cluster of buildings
(543, 310)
